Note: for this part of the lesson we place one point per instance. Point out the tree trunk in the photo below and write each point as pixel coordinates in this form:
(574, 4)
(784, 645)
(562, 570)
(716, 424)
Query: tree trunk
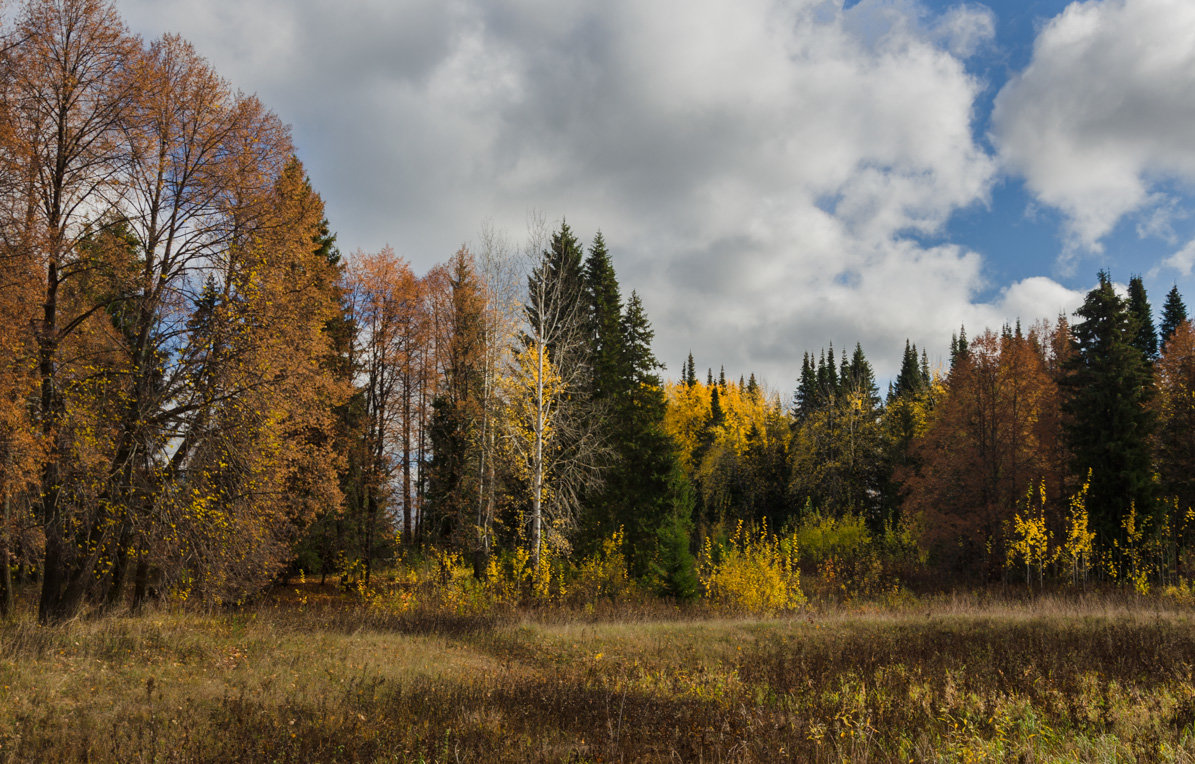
(537, 477)
(140, 584)
(407, 509)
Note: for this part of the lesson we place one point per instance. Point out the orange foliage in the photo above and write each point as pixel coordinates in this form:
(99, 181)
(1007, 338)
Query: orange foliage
(992, 436)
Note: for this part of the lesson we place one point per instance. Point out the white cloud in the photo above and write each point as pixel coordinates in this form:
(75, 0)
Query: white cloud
(1182, 261)
(1103, 112)
(965, 29)
(757, 167)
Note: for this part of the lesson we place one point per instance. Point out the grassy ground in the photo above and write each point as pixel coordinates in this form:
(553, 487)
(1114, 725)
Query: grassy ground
(940, 680)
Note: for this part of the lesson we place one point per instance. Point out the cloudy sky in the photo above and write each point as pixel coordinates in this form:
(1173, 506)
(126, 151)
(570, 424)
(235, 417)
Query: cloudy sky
(770, 175)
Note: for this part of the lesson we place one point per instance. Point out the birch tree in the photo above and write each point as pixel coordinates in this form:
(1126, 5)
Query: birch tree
(565, 439)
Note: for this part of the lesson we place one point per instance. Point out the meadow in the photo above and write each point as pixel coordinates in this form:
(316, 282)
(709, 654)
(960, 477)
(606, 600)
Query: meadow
(314, 674)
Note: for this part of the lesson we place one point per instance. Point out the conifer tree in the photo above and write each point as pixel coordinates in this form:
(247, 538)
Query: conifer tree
(653, 505)
(1174, 312)
(604, 309)
(835, 446)
(610, 381)
(1145, 337)
(690, 371)
(1109, 424)
(958, 347)
(909, 380)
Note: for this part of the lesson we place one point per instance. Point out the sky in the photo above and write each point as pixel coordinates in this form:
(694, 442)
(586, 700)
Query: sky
(771, 176)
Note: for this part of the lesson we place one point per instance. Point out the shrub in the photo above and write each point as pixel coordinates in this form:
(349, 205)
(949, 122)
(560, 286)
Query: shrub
(603, 574)
(753, 571)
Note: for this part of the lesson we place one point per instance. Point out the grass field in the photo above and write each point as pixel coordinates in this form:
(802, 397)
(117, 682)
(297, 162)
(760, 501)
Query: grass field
(951, 679)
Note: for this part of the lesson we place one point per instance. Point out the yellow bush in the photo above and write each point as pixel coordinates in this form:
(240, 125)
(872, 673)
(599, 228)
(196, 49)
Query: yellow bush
(1079, 547)
(1031, 540)
(604, 574)
(753, 571)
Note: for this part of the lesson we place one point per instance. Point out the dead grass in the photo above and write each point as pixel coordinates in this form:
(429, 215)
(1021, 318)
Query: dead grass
(961, 678)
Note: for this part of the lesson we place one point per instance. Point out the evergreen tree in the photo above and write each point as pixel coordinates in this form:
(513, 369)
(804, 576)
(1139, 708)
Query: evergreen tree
(835, 447)
(555, 292)
(1108, 420)
(832, 381)
(650, 498)
(1145, 337)
(908, 379)
(861, 379)
(958, 347)
(604, 310)
(690, 371)
(1174, 312)
(716, 414)
(609, 382)
(805, 396)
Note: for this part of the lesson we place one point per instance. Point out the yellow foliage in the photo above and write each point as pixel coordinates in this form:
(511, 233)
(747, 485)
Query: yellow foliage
(688, 412)
(1136, 570)
(1031, 538)
(754, 571)
(1079, 547)
(604, 574)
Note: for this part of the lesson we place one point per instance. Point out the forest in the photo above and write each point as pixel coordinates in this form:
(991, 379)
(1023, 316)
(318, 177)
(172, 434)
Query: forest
(202, 395)
(208, 411)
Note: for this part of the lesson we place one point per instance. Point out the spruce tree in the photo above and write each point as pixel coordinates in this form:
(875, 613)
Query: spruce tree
(862, 378)
(909, 378)
(1174, 312)
(1109, 424)
(805, 396)
(1145, 337)
(958, 347)
(603, 314)
(555, 291)
(609, 380)
(645, 491)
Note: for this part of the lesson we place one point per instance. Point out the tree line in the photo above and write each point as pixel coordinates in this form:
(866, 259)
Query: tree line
(1024, 425)
(200, 394)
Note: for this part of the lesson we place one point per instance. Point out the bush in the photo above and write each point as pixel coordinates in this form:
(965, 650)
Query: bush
(822, 537)
(753, 571)
(604, 574)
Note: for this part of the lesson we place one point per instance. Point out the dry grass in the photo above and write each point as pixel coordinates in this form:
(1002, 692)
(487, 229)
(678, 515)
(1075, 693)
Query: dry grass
(948, 679)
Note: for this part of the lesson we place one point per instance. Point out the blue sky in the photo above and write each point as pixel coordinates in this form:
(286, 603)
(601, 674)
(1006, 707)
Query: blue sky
(771, 175)
(1023, 236)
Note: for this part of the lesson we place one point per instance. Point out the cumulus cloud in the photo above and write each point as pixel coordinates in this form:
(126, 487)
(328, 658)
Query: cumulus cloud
(1182, 261)
(763, 171)
(1102, 115)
